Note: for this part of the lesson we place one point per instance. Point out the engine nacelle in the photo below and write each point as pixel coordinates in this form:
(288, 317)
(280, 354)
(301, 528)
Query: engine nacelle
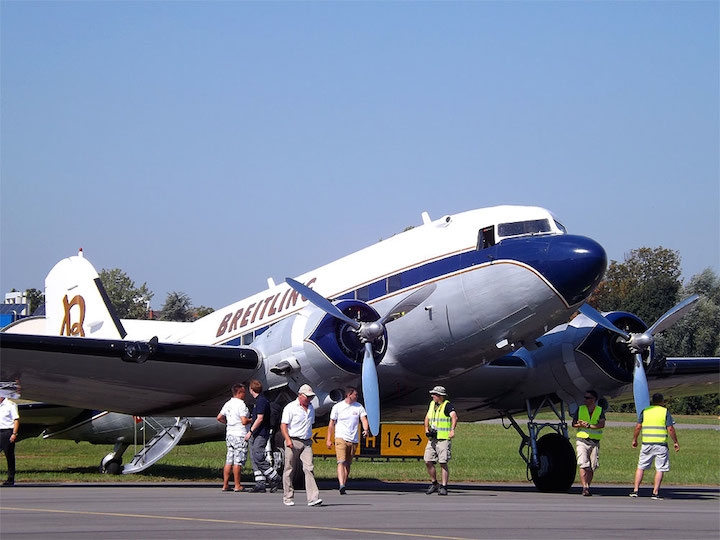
(318, 349)
(578, 356)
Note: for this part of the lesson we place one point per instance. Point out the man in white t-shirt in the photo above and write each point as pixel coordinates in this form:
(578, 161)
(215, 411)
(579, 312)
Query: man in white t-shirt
(345, 418)
(235, 415)
(9, 425)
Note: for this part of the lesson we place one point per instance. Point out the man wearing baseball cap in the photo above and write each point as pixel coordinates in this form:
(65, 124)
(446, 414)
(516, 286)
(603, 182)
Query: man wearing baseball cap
(440, 422)
(296, 426)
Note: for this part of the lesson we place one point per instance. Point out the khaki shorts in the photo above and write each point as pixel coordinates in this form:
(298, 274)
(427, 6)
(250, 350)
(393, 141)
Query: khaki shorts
(438, 450)
(345, 450)
(659, 452)
(587, 451)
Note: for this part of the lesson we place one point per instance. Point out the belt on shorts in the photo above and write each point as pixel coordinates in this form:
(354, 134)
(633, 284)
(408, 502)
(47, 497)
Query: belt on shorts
(299, 439)
(6, 429)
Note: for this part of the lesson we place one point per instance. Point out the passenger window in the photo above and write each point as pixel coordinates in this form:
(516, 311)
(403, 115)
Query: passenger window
(247, 339)
(486, 238)
(394, 283)
(363, 294)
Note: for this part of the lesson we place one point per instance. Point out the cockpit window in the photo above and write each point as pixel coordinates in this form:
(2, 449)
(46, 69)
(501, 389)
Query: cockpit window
(519, 228)
(486, 238)
(561, 227)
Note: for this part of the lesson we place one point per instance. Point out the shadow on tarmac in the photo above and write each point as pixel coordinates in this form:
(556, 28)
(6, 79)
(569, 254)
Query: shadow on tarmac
(669, 492)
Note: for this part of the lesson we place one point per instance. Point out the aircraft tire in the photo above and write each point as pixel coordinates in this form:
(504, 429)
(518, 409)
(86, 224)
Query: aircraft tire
(557, 464)
(113, 467)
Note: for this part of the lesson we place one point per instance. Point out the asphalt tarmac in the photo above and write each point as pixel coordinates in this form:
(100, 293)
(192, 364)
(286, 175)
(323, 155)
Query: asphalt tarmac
(369, 510)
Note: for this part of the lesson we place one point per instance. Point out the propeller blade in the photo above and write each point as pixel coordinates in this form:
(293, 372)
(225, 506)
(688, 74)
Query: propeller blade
(321, 302)
(594, 315)
(406, 305)
(672, 315)
(640, 387)
(371, 393)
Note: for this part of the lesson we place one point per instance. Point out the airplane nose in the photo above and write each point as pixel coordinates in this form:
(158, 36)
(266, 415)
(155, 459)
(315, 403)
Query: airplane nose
(574, 265)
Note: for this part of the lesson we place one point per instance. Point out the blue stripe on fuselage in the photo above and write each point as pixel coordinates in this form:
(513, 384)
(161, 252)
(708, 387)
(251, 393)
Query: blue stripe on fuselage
(573, 265)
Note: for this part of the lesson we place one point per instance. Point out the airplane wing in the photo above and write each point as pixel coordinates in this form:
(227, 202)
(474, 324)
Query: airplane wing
(690, 376)
(133, 377)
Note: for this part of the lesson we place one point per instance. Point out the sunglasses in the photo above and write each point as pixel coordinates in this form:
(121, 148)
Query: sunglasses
(589, 397)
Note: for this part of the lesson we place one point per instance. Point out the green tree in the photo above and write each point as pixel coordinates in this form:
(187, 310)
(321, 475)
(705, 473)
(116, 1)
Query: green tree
(177, 307)
(202, 311)
(698, 333)
(646, 283)
(130, 302)
(35, 299)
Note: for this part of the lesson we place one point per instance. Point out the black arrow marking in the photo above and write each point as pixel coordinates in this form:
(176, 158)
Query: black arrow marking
(418, 439)
(316, 437)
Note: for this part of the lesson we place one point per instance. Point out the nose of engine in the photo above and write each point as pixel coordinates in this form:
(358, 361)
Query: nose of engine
(574, 265)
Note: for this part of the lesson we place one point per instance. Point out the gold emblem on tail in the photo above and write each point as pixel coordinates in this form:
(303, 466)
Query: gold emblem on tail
(69, 328)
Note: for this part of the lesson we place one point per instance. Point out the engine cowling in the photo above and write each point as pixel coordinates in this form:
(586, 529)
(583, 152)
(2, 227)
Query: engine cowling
(607, 350)
(315, 348)
(573, 358)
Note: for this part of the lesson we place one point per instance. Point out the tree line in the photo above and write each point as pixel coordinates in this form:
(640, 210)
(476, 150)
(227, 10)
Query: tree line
(133, 302)
(647, 283)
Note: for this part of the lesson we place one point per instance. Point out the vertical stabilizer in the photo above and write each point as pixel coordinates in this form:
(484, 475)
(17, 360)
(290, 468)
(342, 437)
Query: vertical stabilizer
(76, 303)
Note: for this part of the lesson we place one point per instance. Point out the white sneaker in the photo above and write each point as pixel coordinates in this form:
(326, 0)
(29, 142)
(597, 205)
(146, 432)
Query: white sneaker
(316, 502)
(288, 502)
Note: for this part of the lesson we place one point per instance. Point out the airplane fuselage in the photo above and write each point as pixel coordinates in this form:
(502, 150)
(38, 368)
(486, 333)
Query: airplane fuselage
(494, 293)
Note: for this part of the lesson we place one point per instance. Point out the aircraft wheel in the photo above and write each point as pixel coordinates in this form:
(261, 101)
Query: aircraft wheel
(556, 472)
(111, 466)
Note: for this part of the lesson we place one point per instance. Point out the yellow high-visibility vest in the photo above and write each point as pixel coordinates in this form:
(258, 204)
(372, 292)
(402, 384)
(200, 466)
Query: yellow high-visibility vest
(654, 430)
(584, 415)
(438, 420)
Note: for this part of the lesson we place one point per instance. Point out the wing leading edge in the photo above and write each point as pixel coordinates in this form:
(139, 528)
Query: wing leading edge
(133, 377)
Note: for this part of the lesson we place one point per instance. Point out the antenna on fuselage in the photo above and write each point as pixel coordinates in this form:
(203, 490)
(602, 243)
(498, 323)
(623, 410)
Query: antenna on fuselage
(426, 218)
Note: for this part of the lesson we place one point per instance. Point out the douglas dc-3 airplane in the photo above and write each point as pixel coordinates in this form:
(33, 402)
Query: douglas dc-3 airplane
(478, 302)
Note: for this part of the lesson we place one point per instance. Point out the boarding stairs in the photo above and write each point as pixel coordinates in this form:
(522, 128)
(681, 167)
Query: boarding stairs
(158, 447)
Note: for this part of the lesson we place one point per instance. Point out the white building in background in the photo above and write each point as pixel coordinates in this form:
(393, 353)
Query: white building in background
(17, 297)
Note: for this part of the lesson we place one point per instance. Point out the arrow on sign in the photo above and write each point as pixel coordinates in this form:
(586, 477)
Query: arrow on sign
(418, 439)
(316, 437)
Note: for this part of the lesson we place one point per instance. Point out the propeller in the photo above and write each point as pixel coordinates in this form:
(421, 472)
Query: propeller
(367, 332)
(640, 342)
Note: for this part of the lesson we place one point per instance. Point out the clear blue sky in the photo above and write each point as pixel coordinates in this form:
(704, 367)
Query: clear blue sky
(203, 147)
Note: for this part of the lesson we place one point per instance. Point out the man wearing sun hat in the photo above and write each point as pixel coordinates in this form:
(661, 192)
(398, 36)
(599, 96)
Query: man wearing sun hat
(296, 426)
(440, 422)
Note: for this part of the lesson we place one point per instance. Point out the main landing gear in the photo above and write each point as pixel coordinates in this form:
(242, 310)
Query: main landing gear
(551, 458)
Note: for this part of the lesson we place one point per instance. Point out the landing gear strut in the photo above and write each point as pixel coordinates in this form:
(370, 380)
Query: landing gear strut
(551, 459)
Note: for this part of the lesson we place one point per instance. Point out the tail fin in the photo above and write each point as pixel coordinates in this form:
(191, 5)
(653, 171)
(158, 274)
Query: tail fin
(76, 303)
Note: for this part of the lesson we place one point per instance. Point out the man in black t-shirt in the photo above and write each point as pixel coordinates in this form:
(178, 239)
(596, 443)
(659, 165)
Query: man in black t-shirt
(258, 435)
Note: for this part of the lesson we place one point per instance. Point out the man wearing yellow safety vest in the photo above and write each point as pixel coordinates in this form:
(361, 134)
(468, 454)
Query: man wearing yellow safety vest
(590, 421)
(656, 423)
(440, 422)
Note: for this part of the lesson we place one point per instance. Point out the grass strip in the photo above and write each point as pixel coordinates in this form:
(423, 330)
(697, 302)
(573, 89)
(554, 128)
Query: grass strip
(481, 453)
